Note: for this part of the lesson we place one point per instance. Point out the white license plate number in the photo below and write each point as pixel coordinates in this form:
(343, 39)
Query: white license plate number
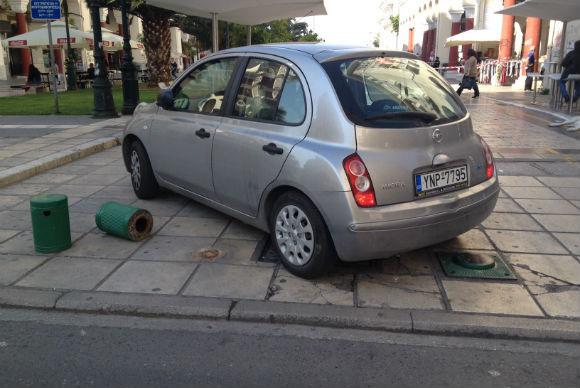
(436, 182)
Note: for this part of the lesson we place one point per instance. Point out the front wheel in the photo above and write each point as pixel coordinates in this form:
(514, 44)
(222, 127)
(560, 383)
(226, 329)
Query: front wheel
(142, 177)
(300, 236)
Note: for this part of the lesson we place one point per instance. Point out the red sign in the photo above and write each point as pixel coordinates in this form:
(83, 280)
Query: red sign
(17, 43)
(64, 40)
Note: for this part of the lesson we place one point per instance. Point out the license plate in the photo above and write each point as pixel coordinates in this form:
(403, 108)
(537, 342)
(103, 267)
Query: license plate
(435, 182)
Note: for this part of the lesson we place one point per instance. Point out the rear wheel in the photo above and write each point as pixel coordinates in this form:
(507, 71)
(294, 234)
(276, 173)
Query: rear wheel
(142, 178)
(300, 236)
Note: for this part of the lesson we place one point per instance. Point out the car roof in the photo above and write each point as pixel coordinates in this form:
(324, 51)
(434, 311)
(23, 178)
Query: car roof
(322, 52)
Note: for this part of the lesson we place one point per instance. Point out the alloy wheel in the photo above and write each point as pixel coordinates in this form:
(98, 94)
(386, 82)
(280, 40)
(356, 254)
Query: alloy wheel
(294, 235)
(135, 170)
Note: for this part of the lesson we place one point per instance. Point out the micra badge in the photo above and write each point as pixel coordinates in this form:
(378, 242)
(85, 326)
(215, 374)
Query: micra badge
(437, 135)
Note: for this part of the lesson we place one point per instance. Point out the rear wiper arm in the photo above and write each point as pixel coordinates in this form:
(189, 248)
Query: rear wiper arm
(423, 116)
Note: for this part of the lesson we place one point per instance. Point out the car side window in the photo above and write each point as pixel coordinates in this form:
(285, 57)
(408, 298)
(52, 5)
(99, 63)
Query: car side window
(270, 91)
(203, 89)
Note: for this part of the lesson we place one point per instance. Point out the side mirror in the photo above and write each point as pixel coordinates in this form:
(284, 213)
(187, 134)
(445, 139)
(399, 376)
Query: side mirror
(165, 99)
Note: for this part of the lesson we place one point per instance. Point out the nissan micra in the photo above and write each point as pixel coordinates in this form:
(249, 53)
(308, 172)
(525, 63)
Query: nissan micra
(335, 151)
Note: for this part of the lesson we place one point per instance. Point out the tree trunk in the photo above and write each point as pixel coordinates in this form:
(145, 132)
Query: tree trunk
(157, 42)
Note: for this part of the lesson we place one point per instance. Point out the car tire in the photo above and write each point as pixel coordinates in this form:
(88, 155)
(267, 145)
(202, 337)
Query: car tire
(300, 236)
(143, 179)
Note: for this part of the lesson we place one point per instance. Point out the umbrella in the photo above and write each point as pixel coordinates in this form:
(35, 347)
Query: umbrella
(39, 38)
(473, 36)
(113, 42)
(248, 12)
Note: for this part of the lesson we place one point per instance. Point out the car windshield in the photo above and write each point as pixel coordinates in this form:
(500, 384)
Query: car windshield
(393, 92)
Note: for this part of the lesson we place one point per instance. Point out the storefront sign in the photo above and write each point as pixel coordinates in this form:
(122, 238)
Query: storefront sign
(17, 43)
(64, 40)
(45, 9)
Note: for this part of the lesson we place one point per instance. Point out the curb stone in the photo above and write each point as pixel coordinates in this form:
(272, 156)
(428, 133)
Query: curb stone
(391, 320)
(24, 297)
(139, 304)
(34, 167)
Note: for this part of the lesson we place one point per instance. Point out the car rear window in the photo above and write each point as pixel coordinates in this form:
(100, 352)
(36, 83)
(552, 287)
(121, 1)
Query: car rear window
(393, 92)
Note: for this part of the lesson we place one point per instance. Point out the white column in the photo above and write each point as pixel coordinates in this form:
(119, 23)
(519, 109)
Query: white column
(3, 72)
(214, 32)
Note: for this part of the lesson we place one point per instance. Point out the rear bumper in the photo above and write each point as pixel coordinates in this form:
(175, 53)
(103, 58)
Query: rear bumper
(384, 231)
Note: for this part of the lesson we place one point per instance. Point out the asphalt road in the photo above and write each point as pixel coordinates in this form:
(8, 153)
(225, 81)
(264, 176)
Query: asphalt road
(47, 349)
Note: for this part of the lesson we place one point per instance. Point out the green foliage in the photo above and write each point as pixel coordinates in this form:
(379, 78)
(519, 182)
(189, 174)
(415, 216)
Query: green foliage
(376, 41)
(394, 23)
(285, 30)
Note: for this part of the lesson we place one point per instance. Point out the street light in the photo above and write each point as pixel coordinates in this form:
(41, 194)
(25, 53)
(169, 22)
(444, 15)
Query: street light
(128, 70)
(104, 106)
(71, 71)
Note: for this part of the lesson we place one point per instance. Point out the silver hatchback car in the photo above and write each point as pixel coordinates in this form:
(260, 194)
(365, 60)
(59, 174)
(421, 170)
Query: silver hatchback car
(336, 151)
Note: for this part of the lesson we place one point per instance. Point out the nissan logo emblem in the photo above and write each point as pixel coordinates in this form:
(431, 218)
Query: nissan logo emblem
(437, 136)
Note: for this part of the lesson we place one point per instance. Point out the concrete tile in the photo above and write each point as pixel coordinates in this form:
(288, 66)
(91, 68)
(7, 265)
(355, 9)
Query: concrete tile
(96, 179)
(473, 239)
(24, 189)
(82, 222)
(239, 252)
(197, 210)
(165, 206)
(92, 204)
(560, 181)
(404, 292)
(230, 281)
(53, 179)
(101, 245)
(506, 181)
(6, 234)
(545, 270)
(8, 201)
(12, 267)
(531, 192)
(561, 302)
(576, 203)
(505, 205)
(511, 221)
(149, 277)
(570, 241)
(570, 193)
(240, 231)
(559, 223)
(67, 273)
(22, 243)
(336, 289)
(490, 298)
(25, 205)
(116, 168)
(123, 182)
(77, 190)
(123, 193)
(548, 206)
(419, 262)
(170, 248)
(76, 169)
(525, 242)
(194, 227)
(16, 220)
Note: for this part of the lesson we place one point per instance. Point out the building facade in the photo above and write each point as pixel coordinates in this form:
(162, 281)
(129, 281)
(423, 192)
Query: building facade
(15, 20)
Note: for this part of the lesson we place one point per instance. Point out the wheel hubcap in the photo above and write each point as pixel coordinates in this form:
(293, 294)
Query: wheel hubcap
(135, 170)
(294, 235)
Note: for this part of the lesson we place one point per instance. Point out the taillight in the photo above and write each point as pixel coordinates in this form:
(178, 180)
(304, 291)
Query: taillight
(360, 181)
(489, 167)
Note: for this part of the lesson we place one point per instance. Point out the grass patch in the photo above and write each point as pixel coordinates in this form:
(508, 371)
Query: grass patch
(77, 102)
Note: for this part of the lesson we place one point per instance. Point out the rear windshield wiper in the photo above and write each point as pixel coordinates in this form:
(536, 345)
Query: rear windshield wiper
(423, 116)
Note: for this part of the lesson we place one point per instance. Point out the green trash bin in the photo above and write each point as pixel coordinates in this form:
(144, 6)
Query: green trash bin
(124, 221)
(50, 223)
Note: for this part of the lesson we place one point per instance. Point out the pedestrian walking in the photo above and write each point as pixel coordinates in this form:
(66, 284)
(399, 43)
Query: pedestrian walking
(530, 63)
(469, 80)
(571, 65)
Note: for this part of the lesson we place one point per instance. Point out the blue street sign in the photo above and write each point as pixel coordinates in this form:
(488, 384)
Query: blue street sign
(45, 9)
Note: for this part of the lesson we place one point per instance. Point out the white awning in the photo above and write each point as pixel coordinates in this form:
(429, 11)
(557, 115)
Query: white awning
(563, 10)
(473, 36)
(39, 37)
(248, 12)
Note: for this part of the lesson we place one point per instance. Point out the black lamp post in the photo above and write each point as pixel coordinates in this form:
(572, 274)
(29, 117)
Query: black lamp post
(71, 72)
(128, 70)
(104, 106)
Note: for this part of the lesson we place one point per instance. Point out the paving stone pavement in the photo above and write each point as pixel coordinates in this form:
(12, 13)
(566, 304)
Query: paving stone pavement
(535, 228)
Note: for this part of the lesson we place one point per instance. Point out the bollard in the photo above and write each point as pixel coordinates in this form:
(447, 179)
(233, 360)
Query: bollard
(50, 223)
(124, 221)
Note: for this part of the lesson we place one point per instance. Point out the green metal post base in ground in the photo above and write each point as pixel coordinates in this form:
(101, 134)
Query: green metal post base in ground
(124, 221)
(50, 223)
(474, 265)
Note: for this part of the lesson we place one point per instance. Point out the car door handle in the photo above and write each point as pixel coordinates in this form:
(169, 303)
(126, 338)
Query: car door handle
(202, 133)
(273, 149)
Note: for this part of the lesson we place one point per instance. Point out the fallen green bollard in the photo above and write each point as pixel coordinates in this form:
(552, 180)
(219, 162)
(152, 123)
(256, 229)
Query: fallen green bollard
(124, 221)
